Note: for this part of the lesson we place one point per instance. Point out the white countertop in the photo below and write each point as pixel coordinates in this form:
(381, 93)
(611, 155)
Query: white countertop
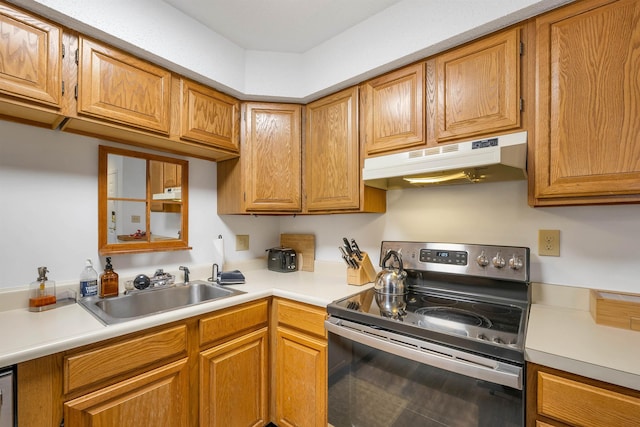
(561, 333)
(27, 335)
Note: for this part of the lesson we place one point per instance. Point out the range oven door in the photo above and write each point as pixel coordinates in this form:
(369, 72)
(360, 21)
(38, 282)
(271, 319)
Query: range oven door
(378, 378)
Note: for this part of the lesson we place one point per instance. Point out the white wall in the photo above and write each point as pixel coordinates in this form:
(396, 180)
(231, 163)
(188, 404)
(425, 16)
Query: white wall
(48, 217)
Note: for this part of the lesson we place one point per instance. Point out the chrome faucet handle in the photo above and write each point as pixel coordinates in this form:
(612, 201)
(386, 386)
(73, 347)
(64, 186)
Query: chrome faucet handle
(186, 273)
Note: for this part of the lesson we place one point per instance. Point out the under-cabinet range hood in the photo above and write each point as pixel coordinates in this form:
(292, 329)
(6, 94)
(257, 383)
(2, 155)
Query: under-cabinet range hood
(501, 158)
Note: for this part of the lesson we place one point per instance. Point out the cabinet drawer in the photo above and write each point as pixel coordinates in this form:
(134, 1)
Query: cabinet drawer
(304, 317)
(584, 405)
(99, 364)
(230, 322)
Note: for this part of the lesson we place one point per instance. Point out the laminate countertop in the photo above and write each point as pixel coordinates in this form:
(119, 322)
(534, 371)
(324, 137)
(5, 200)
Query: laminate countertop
(561, 333)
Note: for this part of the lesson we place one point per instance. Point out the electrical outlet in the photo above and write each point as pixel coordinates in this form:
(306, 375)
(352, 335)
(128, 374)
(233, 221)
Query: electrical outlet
(135, 219)
(242, 242)
(549, 242)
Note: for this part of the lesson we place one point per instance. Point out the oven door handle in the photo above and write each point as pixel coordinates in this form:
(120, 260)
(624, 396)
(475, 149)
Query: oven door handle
(429, 353)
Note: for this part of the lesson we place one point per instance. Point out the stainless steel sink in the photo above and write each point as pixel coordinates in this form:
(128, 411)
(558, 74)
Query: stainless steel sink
(153, 301)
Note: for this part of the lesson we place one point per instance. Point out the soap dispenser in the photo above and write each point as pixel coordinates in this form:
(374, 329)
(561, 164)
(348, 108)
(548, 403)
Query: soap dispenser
(42, 292)
(109, 281)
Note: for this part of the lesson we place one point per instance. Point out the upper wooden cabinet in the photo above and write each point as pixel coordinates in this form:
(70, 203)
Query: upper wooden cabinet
(587, 145)
(478, 88)
(114, 85)
(267, 176)
(30, 67)
(209, 116)
(332, 158)
(393, 110)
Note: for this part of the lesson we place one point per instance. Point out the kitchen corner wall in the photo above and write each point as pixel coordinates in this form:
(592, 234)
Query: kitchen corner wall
(49, 217)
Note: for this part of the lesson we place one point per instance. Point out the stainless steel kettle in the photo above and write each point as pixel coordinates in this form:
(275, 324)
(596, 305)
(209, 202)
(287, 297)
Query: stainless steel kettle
(390, 281)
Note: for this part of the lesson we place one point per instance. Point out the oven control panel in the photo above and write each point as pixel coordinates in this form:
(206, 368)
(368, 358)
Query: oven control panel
(442, 256)
(491, 261)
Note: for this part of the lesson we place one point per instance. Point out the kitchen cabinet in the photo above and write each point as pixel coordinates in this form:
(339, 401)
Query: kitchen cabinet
(586, 146)
(333, 162)
(208, 370)
(30, 67)
(123, 98)
(163, 175)
(300, 378)
(116, 86)
(209, 117)
(557, 398)
(267, 176)
(392, 111)
(234, 373)
(156, 398)
(478, 88)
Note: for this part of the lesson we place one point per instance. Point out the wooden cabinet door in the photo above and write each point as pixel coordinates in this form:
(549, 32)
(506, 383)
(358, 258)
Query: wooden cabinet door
(156, 398)
(234, 382)
(209, 117)
(587, 144)
(30, 57)
(272, 153)
(478, 87)
(393, 110)
(300, 380)
(332, 155)
(119, 87)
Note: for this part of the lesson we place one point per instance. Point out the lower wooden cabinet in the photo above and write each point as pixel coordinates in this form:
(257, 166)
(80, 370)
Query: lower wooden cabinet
(557, 398)
(246, 366)
(300, 376)
(156, 398)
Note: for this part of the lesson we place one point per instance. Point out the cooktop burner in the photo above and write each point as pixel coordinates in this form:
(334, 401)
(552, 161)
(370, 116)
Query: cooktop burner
(452, 297)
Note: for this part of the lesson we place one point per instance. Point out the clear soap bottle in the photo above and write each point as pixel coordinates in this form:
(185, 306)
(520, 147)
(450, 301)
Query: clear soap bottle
(42, 292)
(109, 281)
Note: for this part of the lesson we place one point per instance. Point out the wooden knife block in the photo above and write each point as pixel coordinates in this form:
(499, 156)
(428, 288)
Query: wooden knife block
(365, 273)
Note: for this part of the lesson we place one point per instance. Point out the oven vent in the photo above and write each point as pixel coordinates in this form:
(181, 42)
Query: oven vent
(501, 158)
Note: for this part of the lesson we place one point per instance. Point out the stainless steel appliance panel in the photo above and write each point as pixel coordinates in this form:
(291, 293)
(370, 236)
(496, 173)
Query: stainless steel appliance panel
(7, 400)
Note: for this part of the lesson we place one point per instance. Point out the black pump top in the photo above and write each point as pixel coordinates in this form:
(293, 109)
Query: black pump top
(108, 266)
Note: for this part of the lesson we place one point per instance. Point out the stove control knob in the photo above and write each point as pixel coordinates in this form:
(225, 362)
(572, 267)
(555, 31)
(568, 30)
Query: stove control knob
(498, 261)
(498, 340)
(515, 262)
(482, 260)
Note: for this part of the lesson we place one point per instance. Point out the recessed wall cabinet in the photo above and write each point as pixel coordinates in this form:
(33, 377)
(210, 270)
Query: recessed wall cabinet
(557, 398)
(267, 176)
(300, 375)
(586, 148)
(393, 111)
(30, 68)
(478, 88)
(333, 161)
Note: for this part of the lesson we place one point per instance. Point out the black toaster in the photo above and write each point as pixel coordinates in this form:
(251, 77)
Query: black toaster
(283, 260)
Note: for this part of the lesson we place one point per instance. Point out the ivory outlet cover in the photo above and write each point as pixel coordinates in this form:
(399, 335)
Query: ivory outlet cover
(242, 242)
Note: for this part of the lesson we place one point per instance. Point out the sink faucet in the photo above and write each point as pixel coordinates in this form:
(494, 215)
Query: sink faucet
(186, 273)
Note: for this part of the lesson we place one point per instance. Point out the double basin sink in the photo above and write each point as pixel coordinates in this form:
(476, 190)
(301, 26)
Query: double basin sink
(140, 304)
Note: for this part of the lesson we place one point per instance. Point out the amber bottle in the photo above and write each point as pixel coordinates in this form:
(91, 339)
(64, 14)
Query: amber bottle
(109, 281)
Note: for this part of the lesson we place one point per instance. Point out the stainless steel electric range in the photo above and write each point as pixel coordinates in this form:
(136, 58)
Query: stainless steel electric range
(449, 352)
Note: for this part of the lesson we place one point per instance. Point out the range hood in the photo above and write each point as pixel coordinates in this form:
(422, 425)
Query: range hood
(501, 158)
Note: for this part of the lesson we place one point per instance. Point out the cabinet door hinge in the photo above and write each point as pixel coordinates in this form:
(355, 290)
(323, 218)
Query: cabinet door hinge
(521, 104)
(77, 56)
(75, 92)
(63, 50)
(63, 88)
(521, 48)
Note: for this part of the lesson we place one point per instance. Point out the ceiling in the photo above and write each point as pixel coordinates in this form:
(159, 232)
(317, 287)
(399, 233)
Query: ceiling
(289, 26)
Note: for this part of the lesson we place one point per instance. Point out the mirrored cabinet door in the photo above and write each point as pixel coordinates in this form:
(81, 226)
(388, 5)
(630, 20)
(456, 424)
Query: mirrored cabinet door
(143, 202)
